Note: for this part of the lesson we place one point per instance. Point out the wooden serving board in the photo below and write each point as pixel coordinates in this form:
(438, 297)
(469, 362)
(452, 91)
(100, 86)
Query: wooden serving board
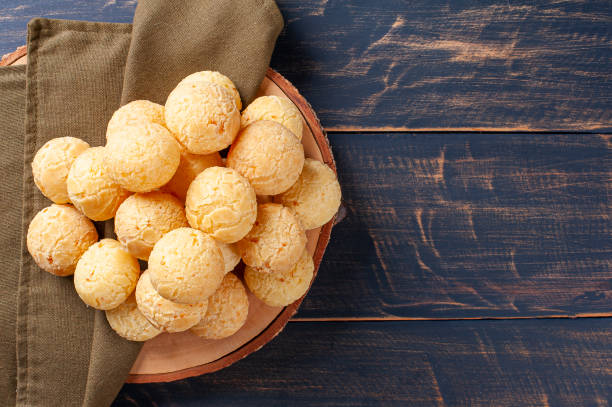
(171, 357)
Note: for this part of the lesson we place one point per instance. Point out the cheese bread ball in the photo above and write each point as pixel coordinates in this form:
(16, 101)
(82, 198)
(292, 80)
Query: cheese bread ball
(230, 254)
(91, 188)
(202, 116)
(106, 275)
(218, 79)
(221, 203)
(134, 112)
(278, 109)
(276, 241)
(315, 197)
(142, 157)
(190, 166)
(268, 155)
(163, 314)
(227, 310)
(186, 266)
(281, 289)
(143, 219)
(51, 164)
(57, 238)
(129, 323)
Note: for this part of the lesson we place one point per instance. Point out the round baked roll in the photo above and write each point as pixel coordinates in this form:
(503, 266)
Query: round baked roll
(129, 323)
(221, 203)
(281, 289)
(142, 157)
(315, 197)
(227, 310)
(275, 108)
(91, 188)
(276, 241)
(52, 163)
(143, 219)
(134, 112)
(186, 266)
(218, 79)
(164, 314)
(202, 116)
(268, 155)
(106, 275)
(57, 238)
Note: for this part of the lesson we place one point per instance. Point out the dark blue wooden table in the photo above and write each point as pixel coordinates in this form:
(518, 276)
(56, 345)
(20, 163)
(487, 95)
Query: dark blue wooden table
(473, 146)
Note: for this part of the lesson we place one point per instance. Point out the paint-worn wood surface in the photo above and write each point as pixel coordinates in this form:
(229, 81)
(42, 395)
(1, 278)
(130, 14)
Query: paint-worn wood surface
(469, 225)
(426, 64)
(512, 223)
(425, 363)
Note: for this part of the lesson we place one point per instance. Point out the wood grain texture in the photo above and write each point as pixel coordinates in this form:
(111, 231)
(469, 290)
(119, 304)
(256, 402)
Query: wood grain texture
(444, 64)
(422, 65)
(442, 363)
(468, 225)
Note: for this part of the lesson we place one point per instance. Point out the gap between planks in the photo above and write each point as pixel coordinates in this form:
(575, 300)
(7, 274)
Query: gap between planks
(395, 319)
(459, 130)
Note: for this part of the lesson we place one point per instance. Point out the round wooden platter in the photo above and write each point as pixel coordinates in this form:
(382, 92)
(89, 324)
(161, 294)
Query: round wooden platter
(171, 357)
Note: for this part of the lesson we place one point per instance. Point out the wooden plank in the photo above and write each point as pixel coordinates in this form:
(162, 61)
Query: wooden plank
(468, 226)
(466, 363)
(423, 65)
(449, 65)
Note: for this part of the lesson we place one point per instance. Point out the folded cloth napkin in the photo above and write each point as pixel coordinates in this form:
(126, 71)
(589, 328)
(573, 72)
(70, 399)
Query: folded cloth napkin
(12, 114)
(78, 73)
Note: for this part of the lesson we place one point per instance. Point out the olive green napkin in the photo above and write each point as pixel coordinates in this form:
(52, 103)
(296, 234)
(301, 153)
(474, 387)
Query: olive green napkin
(65, 352)
(12, 108)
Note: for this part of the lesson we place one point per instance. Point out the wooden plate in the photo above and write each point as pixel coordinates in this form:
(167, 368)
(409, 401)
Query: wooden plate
(171, 357)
